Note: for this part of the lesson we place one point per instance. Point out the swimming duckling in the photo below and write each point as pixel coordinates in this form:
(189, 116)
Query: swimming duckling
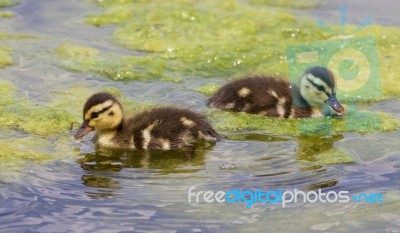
(314, 97)
(158, 128)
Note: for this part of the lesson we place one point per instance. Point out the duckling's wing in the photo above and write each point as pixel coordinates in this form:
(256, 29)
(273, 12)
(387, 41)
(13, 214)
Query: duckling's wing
(169, 127)
(257, 94)
(224, 98)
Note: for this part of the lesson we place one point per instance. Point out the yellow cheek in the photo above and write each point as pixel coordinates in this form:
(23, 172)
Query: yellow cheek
(92, 123)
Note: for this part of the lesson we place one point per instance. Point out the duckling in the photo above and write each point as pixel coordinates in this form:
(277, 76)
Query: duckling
(158, 128)
(314, 97)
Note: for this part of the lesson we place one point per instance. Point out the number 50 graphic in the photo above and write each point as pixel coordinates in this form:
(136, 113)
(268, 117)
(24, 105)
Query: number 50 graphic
(354, 62)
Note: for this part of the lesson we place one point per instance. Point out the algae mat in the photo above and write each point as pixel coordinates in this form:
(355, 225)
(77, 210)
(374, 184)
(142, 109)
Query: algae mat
(176, 39)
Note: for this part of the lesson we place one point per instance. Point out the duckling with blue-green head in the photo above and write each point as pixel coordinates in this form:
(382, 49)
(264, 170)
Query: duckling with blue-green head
(313, 96)
(160, 128)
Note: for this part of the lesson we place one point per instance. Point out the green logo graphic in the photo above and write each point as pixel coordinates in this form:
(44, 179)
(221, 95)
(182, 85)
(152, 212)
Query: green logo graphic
(354, 63)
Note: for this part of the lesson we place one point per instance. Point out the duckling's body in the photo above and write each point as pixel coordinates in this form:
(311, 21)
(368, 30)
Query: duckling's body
(270, 96)
(158, 128)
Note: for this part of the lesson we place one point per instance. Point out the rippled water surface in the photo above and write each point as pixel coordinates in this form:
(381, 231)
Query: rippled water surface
(108, 191)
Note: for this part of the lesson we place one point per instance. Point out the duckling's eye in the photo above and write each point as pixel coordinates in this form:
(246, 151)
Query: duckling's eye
(95, 115)
(111, 114)
(320, 88)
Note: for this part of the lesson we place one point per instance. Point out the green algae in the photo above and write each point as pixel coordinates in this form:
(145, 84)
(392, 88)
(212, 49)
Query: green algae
(118, 14)
(208, 89)
(6, 3)
(6, 88)
(15, 152)
(211, 38)
(6, 53)
(6, 14)
(89, 60)
(303, 4)
(38, 120)
(240, 121)
(354, 121)
(20, 114)
(113, 90)
(205, 39)
(222, 38)
(5, 56)
(70, 50)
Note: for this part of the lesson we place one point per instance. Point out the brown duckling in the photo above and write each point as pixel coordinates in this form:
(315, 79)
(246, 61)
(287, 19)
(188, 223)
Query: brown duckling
(158, 128)
(315, 96)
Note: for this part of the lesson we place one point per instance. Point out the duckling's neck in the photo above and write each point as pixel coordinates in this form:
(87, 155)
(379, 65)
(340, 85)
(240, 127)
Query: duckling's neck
(105, 138)
(300, 107)
(116, 137)
(297, 99)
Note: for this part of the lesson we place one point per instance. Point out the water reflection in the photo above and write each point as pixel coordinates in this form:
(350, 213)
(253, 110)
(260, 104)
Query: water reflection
(308, 166)
(166, 161)
(104, 186)
(258, 137)
(325, 184)
(316, 149)
(310, 147)
(321, 152)
(101, 166)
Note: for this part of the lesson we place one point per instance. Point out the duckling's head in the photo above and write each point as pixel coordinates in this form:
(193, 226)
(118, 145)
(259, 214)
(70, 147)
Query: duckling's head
(318, 88)
(101, 112)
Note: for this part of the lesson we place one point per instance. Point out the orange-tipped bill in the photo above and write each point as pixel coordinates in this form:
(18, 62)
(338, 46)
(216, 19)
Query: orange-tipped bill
(83, 130)
(333, 102)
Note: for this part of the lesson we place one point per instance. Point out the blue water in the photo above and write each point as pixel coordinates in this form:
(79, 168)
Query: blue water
(109, 191)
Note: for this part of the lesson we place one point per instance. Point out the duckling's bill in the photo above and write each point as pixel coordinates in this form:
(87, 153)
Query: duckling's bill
(83, 130)
(334, 103)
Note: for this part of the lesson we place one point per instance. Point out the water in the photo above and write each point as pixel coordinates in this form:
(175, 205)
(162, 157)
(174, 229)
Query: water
(382, 12)
(108, 191)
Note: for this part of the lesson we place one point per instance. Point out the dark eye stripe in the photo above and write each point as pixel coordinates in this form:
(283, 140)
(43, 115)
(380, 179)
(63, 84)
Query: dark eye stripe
(96, 114)
(319, 87)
